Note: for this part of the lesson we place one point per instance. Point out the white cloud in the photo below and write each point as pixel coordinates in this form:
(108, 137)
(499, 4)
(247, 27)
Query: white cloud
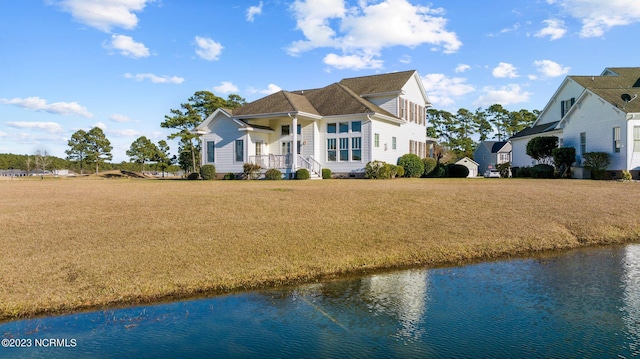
(442, 89)
(127, 46)
(504, 95)
(555, 29)
(405, 59)
(208, 49)
(550, 68)
(462, 68)
(51, 127)
(119, 118)
(105, 14)
(155, 79)
(252, 11)
(353, 62)
(124, 133)
(225, 87)
(505, 70)
(271, 88)
(100, 125)
(598, 17)
(362, 31)
(58, 108)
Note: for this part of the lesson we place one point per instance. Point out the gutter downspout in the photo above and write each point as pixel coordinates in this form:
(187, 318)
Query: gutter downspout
(371, 139)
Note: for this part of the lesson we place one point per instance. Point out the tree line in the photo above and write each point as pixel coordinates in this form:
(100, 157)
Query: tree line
(455, 130)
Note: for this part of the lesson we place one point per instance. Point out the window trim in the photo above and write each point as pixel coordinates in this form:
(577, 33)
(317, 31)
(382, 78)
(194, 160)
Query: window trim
(211, 151)
(238, 154)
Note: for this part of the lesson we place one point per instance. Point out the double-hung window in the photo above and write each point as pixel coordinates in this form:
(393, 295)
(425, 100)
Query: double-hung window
(617, 144)
(583, 143)
(331, 149)
(344, 149)
(211, 155)
(239, 150)
(356, 148)
(636, 139)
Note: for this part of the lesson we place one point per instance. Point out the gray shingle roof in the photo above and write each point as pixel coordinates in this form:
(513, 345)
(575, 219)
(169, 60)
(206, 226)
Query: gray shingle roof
(382, 83)
(535, 130)
(341, 98)
(611, 87)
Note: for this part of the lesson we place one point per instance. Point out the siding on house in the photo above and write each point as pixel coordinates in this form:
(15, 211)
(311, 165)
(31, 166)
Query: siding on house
(374, 101)
(583, 114)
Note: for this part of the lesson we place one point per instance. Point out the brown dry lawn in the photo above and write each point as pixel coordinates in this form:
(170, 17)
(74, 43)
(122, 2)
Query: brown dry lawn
(72, 244)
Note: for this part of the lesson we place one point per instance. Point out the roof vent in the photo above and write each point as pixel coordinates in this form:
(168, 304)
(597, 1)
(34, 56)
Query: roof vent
(627, 98)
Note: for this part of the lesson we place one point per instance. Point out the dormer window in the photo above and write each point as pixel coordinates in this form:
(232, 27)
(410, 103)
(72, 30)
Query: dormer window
(566, 105)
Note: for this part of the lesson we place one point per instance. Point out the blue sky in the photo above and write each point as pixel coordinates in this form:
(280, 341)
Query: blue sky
(123, 64)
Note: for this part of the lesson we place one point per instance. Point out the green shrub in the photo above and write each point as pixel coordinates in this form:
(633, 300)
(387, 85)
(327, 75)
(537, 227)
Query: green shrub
(208, 172)
(597, 163)
(542, 171)
(457, 171)
(230, 176)
(326, 173)
(377, 170)
(540, 148)
(626, 176)
(429, 165)
(439, 171)
(302, 174)
(399, 171)
(504, 169)
(251, 170)
(193, 176)
(563, 157)
(273, 174)
(412, 164)
(521, 172)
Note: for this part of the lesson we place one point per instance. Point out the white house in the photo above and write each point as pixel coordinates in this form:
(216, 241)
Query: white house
(341, 127)
(489, 154)
(591, 114)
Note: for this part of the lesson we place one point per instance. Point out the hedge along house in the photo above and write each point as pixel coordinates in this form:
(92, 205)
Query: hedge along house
(342, 127)
(591, 114)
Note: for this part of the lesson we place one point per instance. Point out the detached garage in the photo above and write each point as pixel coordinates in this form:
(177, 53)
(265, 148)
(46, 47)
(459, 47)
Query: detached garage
(471, 165)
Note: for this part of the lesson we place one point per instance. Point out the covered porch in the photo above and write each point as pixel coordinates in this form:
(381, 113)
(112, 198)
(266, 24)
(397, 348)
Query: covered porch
(284, 143)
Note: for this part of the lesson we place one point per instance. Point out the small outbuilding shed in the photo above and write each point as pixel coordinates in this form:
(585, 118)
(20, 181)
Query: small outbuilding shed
(470, 164)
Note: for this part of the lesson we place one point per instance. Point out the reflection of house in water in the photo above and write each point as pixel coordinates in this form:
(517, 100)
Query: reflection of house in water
(631, 297)
(403, 295)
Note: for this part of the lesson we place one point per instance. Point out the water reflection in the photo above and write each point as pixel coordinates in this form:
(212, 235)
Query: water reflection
(583, 303)
(631, 297)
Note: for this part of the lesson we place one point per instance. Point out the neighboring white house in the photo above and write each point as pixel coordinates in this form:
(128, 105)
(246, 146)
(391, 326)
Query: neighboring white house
(470, 164)
(341, 127)
(489, 154)
(591, 114)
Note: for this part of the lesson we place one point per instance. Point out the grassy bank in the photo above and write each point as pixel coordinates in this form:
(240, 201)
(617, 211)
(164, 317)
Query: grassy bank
(86, 243)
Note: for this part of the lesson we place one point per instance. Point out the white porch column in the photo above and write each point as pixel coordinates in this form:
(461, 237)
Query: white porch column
(294, 145)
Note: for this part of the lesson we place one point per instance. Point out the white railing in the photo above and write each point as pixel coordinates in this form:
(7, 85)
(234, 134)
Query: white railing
(310, 164)
(271, 161)
(284, 162)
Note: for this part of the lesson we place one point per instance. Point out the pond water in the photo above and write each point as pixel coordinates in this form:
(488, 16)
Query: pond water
(579, 304)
